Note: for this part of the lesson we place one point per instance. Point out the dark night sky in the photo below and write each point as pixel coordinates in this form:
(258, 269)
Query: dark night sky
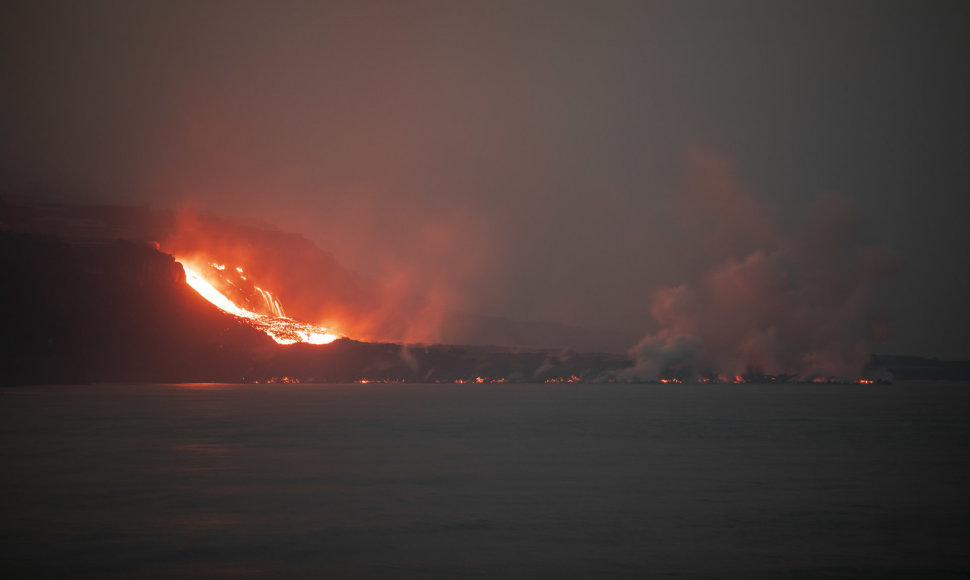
(528, 158)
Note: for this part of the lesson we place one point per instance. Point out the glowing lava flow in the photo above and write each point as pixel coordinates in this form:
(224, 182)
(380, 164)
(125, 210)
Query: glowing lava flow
(278, 327)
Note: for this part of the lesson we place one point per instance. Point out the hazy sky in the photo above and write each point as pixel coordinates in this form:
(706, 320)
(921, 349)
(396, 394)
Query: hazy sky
(534, 156)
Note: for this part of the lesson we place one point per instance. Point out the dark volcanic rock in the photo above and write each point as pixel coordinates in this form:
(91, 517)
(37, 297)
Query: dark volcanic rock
(114, 311)
(347, 361)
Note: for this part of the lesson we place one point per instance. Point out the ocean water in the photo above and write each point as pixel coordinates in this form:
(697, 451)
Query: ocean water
(485, 481)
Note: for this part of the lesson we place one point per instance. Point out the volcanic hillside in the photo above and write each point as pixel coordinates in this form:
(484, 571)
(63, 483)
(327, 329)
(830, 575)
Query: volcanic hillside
(308, 281)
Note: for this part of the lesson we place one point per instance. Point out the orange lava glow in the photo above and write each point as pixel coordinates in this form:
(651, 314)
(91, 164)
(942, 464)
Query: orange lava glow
(570, 379)
(205, 278)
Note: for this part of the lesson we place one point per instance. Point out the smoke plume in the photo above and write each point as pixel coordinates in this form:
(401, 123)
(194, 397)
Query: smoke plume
(773, 303)
(418, 278)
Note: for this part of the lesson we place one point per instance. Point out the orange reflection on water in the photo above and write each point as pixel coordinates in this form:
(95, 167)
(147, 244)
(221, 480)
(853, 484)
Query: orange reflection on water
(205, 386)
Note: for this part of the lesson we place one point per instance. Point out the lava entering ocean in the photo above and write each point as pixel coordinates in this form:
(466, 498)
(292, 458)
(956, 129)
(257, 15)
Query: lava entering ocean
(231, 291)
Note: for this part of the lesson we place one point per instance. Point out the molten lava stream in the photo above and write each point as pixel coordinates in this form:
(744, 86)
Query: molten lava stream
(280, 328)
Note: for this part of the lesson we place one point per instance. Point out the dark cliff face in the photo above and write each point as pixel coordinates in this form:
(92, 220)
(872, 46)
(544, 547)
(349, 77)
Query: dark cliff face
(111, 311)
(41, 310)
(307, 279)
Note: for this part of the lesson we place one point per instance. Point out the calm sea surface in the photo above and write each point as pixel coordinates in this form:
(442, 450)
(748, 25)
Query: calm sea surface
(488, 481)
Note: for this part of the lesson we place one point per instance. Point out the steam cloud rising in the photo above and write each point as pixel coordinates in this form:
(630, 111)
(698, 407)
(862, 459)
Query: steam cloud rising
(797, 304)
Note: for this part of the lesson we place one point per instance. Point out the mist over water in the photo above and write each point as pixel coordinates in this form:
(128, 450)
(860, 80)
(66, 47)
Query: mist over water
(442, 481)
